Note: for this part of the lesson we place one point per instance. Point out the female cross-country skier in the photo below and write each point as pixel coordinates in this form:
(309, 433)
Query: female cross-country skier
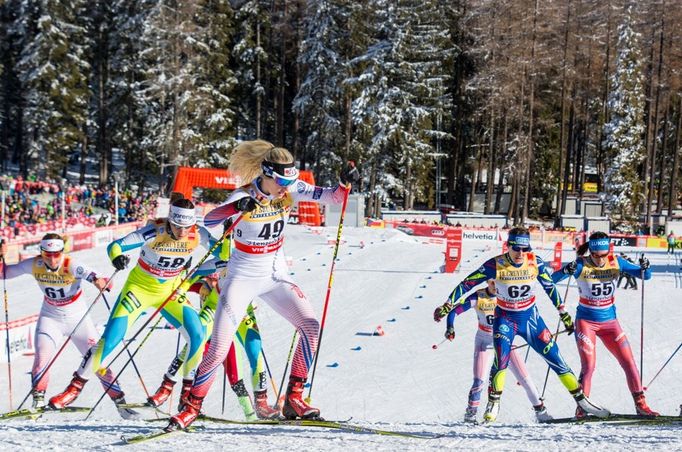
(167, 247)
(483, 301)
(59, 277)
(257, 268)
(249, 339)
(516, 273)
(596, 314)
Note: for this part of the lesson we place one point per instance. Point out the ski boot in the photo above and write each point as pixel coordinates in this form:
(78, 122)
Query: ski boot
(190, 411)
(493, 407)
(541, 413)
(641, 405)
(580, 413)
(263, 410)
(184, 392)
(162, 394)
(587, 406)
(125, 412)
(294, 405)
(244, 400)
(470, 415)
(70, 394)
(38, 399)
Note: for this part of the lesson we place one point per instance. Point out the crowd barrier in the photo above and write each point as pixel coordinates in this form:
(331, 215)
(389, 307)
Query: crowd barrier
(20, 336)
(80, 239)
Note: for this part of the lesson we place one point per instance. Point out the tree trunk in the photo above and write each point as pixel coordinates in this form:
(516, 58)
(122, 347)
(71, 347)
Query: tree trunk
(663, 159)
(490, 181)
(654, 133)
(531, 105)
(672, 192)
(562, 131)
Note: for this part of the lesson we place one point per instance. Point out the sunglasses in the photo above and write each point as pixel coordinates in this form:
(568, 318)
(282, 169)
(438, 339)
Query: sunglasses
(51, 253)
(598, 256)
(181, 227)
(520, 249)
(282, 181)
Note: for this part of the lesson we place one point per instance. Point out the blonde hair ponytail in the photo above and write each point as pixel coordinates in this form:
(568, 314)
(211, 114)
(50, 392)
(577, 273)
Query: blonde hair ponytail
(247, 157)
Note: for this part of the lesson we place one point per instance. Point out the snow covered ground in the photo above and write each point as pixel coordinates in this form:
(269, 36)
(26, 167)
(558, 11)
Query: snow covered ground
(396, 381)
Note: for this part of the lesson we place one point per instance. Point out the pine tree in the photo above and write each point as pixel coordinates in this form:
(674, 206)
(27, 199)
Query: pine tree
(624, 132)
(54, 82)
(319, 101)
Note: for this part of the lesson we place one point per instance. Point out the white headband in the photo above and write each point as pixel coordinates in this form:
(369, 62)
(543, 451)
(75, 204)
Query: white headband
(52, 245)
(182, 217)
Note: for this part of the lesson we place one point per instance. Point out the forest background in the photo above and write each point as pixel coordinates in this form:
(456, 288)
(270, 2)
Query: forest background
(432, 99)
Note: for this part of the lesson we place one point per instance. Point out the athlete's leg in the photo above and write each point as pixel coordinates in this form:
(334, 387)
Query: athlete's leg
(504, 330)
(48, 333)
(287, 299)
(518, 368)
(617, 343)
(585, 336)
(541, 340)
(235, 296)
(84, 338)
(483, 351)
(183, 317)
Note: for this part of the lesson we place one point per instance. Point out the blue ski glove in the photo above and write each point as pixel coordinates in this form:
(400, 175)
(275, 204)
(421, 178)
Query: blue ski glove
(570, 268)
(450, 333)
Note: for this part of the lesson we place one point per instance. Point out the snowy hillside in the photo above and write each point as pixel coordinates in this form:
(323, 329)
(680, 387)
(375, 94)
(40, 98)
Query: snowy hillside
(396, 381)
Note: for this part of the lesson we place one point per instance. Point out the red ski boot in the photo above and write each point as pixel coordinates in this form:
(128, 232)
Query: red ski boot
(263, 410)
(294, 405)
(162, 394)
(184, 393)
(641, 405)
(70, 393)
(188, 414)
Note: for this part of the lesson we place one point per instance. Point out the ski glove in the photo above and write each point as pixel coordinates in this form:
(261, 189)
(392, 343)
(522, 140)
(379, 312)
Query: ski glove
(570, 268)
(567, 321)
(120, 262)
(450, 333)
(228, 224)
(644, 263)
(442, 311)
(246, 204)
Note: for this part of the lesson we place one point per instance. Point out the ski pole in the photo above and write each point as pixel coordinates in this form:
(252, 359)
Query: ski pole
(329, 289)
(280, 398)
(7, 344)
(435, 346)
(267, 366)
(68, 338)
(137, 371)
(516, 347)
(177, 350)
(222, 411)
(661, 369)
(155, 313)
(641, 329)
(544, 386)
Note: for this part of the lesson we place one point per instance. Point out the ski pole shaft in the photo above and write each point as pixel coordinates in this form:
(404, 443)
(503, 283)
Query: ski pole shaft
(544, 386)
(7, 343)
(68, 338)
(286, 367)
(663, 367)
(641, 330)
(215, 246)
(329, 287)
(267, 367)
(435, 346)
(137, 371)
(222, 410)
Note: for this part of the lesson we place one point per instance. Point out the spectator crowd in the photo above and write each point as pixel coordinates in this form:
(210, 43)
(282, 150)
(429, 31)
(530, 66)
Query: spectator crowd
(33, 206)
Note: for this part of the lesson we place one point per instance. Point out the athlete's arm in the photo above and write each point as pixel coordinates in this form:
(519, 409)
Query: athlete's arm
(131, 241)
(460, 308)
(548, 284)
(22, 268)
(633, 269)
(226, 210)
(559, 275)
(487, 271)
(303, 191)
